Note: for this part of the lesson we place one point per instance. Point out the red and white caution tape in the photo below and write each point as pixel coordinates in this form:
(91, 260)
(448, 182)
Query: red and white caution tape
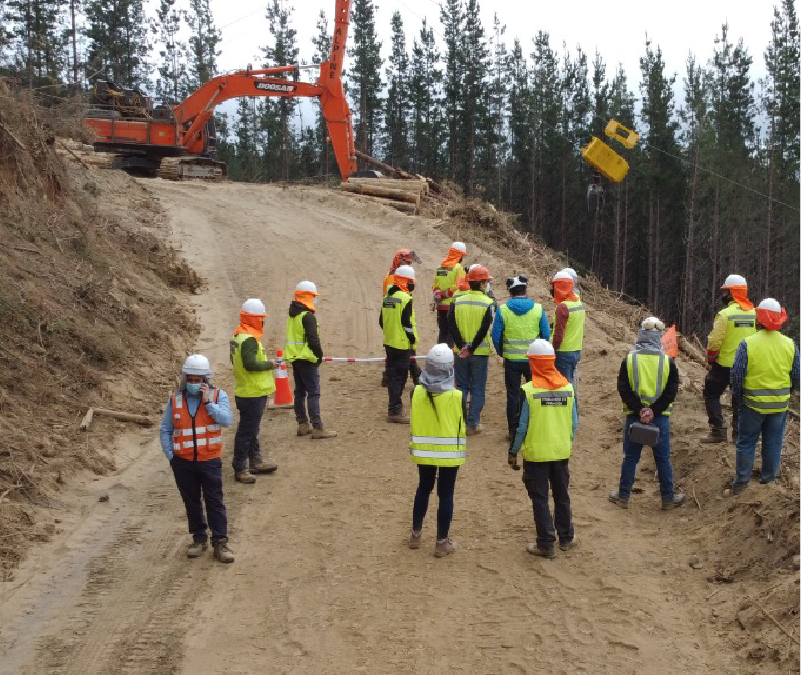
(374, 359)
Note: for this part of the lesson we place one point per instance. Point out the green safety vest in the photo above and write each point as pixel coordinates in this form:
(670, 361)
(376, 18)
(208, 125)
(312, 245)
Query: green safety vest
(574, 328)
(297, 349)
(250, 384)
(391, 310)
(445, 280)
(740, 323)
(520, 331)
(648, 375)
(438, 431)
(550, 423)
(469, 310)
(766, 388)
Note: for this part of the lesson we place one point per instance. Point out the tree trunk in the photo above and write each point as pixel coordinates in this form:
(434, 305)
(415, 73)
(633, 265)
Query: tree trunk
(715, 231)
(688, 254)
(616, 257)
(650, 294)
(768, 225)
(657, 268)
(625, 239)
(74, 46)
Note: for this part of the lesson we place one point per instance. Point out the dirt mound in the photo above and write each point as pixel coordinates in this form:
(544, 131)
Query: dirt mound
(88, 303)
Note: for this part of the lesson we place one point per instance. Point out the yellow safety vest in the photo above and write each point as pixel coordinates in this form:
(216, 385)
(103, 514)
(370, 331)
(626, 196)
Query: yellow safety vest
(574, 328)
(250, 384)
(550, 423)
(297, 349)
(469, 310)
(740, 323)
(520, 331)
(445, 281)
(438, 431)
(767, 383)
(391, 310)
(648, 375)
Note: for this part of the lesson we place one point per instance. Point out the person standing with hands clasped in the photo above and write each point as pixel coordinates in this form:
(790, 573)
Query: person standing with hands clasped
(437, 444)
(191, 439)
(545, 436)
(648, 383)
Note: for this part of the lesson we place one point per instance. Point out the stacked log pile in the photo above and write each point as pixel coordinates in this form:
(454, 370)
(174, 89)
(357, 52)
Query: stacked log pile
(74, 151)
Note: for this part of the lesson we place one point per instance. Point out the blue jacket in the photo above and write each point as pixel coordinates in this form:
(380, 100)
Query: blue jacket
(519, 306)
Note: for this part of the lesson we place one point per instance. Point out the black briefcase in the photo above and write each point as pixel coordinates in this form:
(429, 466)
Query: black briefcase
(644, 434)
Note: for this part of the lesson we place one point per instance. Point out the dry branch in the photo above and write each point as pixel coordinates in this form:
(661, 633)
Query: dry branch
(87, 419)
(124, 416)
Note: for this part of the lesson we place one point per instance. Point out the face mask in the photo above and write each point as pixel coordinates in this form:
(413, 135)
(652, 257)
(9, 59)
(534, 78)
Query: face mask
(410, 286)
(193, 389)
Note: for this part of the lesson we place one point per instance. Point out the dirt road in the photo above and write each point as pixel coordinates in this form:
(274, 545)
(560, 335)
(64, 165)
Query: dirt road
(323, 582)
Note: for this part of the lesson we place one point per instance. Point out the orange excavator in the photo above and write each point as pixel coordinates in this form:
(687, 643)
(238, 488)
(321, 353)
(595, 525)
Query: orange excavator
(178, 142)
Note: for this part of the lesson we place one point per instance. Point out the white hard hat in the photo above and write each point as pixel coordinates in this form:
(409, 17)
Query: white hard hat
(572, 273)
(307, 286)
(734, 280)
(406, 272)
(540, 347)
(196, 364)
(561, 275)
(652, 323)
(254, 306)
(441, 355)
(770, 304)
(459, 246)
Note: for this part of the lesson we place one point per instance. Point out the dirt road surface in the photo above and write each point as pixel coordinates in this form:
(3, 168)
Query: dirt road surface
(323, 581)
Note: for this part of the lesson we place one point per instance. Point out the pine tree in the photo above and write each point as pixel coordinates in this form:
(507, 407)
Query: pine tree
(498, 91)
(204, 37)
(396, 126)
(322, 52)
(172, 52)
(365, 75)
(247, 141)
(117, 49)
(453, 20)
(474, 117)
(520, 150)
(38, 47)
(426, 78)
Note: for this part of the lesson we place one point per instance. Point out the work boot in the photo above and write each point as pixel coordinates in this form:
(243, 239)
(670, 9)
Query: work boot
(716, 436)
(244, 477)
(615, 498)
(548, 553)
(398, 418)
(196, 549)
(323, 433)
(304, 429)
(222, 552)
(264, 466)
(443, 547)
(414, 538)
(674, 503)
(738, 488)
(472, 431)
(567, 545)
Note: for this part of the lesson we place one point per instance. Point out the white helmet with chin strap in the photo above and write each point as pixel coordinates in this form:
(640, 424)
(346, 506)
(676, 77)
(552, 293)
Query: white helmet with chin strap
(405, 272)
(540, 347)
(197, 364)
(734, 280)
(771, 305)
(306, 286)
(254, 306)
(440, 355)
(459, 246)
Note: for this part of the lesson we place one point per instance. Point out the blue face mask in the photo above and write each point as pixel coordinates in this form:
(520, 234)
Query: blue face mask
(193, 389)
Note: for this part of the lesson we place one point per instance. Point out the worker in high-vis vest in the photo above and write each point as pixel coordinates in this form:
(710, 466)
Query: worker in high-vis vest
(568, 328)
(400, 338)
(469, 323)
(402, 257)
(518, 322)
(253, 384)
(446, 284)
(544, 435)
(648, 383)
(191, 439)
(735, 322)
(764, 372)
(304, 352)
(437, 444)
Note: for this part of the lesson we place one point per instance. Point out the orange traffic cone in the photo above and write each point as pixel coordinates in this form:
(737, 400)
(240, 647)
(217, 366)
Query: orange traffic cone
(283, 393)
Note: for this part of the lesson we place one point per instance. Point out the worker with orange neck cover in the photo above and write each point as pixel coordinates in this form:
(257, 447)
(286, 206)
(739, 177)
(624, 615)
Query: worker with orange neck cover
(446, 284)
(402, 257)
(568, 329)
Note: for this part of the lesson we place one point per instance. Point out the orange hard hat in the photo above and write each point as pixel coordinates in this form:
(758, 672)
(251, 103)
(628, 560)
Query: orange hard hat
(478, 273)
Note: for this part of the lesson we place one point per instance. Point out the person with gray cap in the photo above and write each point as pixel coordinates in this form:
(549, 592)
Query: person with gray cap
(191, 439)
(648, 383)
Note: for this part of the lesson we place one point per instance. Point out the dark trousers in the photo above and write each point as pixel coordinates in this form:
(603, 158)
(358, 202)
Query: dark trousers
(536, 477)
(715, 383)
(307, 392)
(246, 442)
(445, 487)
(442, 323)
(194, 479)
(512, 372)
(398, 365)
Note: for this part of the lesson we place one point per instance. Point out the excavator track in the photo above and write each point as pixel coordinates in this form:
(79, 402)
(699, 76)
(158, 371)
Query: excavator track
(184, 168)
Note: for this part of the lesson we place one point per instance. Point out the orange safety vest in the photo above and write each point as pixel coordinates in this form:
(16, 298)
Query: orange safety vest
(197, 438)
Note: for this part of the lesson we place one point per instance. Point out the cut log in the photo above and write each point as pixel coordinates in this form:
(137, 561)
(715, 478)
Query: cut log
(124, 416)
(405, 207)
(407, 185)
(386, 193)
(380, 165)
(87, 419)
(692, 351)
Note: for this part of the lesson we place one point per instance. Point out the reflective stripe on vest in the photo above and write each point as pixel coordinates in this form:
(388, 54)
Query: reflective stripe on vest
(550, 424)
(297, 348)
(574, 328)
(445, 281)
(740, 324)
(198, 439)
(648, 372)
(519, 331)
(250, 384)
(437, 433)
(395, 334)
(469, 310)
(766, 387)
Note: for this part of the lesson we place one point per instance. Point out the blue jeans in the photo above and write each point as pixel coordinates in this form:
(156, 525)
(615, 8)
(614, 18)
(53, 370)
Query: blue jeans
(471, 378)
(631, 456)
(752, 425)
(566, 363)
